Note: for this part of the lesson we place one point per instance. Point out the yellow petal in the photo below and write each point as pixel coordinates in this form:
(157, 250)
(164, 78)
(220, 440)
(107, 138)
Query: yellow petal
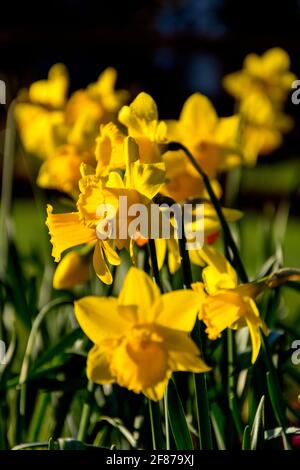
(219, 274)
(180, 361)
(157, 392)
(110, 254)
(198, 114)
(98, 368)
(62, 171)
(73, 269)
(66, 232)
(109, 149)
(138, 368)
(140, 117)
(177, 310)
(161, 249)
(100, 264)
(99, 318)
(51, 92)
(221, 311)
(139, 289)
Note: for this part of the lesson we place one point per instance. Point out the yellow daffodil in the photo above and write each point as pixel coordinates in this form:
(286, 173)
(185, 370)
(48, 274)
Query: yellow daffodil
(140, 184)
(262, 127)
(267, 74)
(39, 113)
(87, 109)
(51, 92)
(225, 304)
(73, 269)
(141, 120)
(65, 131)
(62, 170)
(69, 230)
(109, 150)
(213, 142)
(141, 337)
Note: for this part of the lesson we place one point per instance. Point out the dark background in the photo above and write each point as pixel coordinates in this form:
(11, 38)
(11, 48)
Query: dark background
(169, 48)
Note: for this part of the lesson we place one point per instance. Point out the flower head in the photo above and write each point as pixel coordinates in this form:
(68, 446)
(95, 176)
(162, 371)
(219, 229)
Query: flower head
(268, 75)
(141, 337)
(141, 120)
(224, 303)
(213, 142)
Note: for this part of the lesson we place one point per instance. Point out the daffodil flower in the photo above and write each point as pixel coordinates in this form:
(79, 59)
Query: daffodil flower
(109, 151)
(213, 142)
(262, 127)
(141, 120)
(268, 75)
(140, 184)
(225, 304)
(141, 337)
(73, 269)
(63, 132)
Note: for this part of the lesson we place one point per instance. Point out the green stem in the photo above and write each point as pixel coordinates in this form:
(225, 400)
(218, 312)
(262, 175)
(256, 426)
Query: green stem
(166, 409)
(154, 264)
(155, 421)
(155, 270)
(232, 398)
(86, 413)
(202, 403)
(227, 233)
(7, 184)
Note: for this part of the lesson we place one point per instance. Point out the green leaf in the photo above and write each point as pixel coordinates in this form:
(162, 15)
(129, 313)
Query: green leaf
(257, 432)
(177, 419)
(246, 444)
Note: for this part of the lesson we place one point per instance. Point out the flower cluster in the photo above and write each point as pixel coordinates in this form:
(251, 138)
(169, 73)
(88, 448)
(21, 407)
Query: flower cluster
(98, 150)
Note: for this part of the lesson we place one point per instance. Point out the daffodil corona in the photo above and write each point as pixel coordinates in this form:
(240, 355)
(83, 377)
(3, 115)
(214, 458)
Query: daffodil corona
(141, 337)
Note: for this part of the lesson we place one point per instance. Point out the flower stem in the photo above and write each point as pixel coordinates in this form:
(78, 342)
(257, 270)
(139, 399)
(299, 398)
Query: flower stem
(232, 398)
(86, 413)
(202, 404)
(166, 409)
(154, 407)
(155, 421)
(226, 230)
(154, 264)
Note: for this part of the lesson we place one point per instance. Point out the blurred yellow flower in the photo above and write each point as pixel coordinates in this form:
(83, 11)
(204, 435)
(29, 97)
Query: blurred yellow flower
(213, 142)
(109, 150)
(87, 109)
(262, 127)
(73, 269)
(51, 92)
(224, 303)
(267, 74)
(141, 337)
(65, 131)
(141, 120)
(62, 170)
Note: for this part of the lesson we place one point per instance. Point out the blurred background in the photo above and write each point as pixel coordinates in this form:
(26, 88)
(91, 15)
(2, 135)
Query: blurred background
(170, 49)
